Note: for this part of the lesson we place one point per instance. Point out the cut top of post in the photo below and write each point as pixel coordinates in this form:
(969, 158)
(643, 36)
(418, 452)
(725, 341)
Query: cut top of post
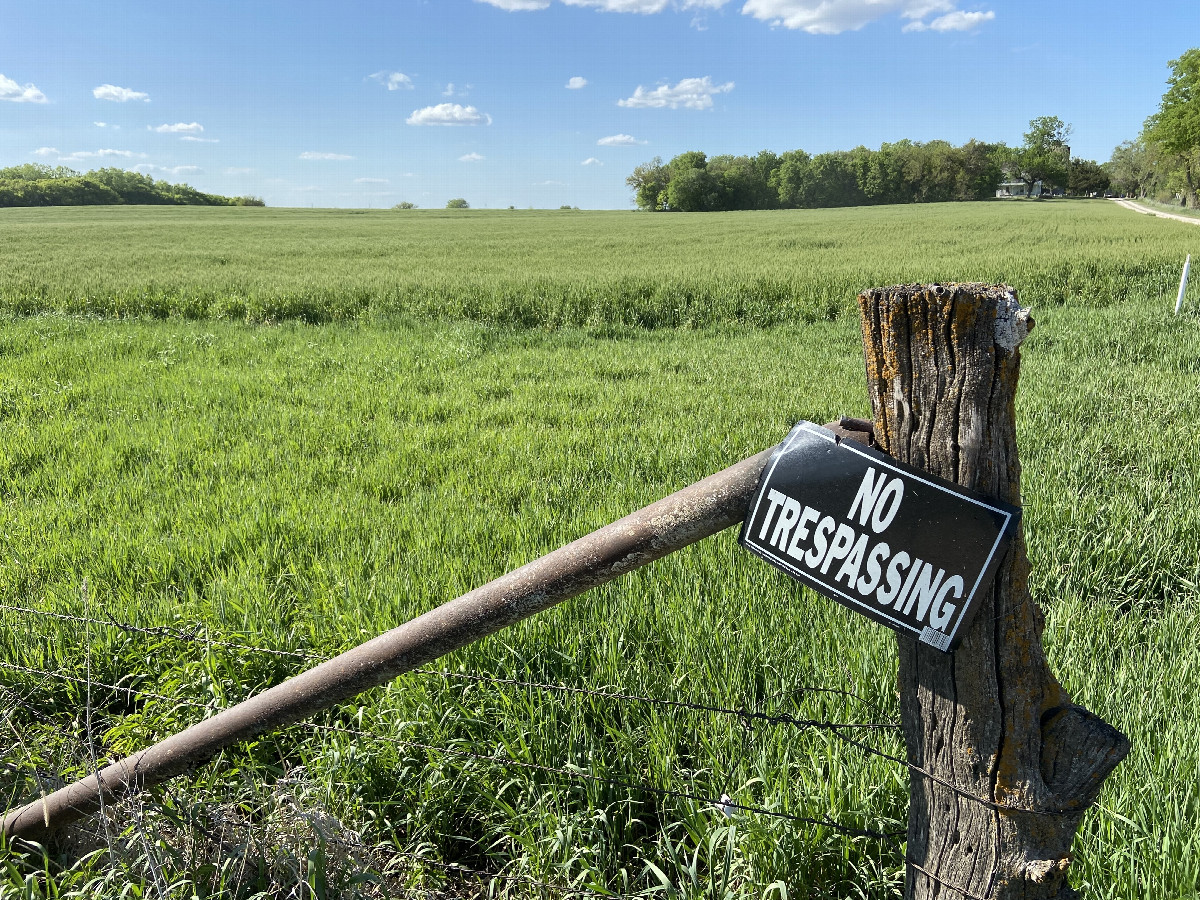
(934, 353)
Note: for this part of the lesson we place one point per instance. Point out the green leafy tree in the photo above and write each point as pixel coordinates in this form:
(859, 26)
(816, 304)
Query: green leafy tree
(404, 204)
(37, 185)
(691, 188)
(36, 172)
(1086, 178)
(878, 173)
(834, 183)
(766, 163)
(649, 184)
(981, 171)
(793, 180)
(133, 187)
(1131, 169)
(457, 203)
(1045, 156)
(1176, 126)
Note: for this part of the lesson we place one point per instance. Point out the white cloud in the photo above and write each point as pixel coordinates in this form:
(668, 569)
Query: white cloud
(518, 5)
(179, 128)
(100, 124)
(813, 16)
(46, 151)
(238, 171)
(646, 7)
(690, 93)
(591, 161)
(20, 93)
(576, 83)
(471, 157)
(371, 181)
(118, 94)
(393, 81)
(174, 171)
(309, 154)
(199, 140)
(958, 20)
(549, 184)
(619, 140)
(448, 114)
(453, 90)
(102, 154)
(836, 16)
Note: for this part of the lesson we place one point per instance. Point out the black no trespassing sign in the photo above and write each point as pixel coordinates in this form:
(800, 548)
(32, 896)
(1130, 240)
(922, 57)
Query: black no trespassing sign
(887, 540)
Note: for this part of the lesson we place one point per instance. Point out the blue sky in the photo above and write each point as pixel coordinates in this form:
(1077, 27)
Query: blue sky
(549, 102)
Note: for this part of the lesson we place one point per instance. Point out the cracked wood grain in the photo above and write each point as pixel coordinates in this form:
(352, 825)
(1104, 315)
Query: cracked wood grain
(942, 363)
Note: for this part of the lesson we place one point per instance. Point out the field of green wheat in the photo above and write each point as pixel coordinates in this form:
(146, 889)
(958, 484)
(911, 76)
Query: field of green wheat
(238, 440)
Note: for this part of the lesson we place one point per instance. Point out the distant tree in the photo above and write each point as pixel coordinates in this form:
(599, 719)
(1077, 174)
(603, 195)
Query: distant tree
(737, 183)
(36, 172)
(37, 185)
(1087, 177)
(457, 203)
(903, 172)
(765, 164)
(834, 183)
(691, 188)
(982, 170)
(878, 173)
(133, 187)
(1045, 155)
(649, 184)
(792, 180)
(404, 204)
(1176, 126)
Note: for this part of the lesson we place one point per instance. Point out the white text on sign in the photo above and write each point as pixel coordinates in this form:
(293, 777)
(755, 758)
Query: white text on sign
(865, 565)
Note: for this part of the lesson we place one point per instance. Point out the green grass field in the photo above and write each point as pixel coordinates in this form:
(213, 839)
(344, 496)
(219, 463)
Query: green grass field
(566, 268)
(253, 479)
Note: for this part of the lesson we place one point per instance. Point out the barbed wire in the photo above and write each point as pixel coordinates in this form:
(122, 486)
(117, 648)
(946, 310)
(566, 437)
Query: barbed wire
(167, 631)
(722, 804)
(834, 728)
(962, 792)
(749, 715)
(193, 636)
(946, 884)
(62, 676)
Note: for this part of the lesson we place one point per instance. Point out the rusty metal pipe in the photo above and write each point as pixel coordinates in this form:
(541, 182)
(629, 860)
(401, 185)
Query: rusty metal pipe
(697, 511)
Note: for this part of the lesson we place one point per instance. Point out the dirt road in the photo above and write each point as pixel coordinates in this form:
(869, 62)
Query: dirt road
(1129, 204)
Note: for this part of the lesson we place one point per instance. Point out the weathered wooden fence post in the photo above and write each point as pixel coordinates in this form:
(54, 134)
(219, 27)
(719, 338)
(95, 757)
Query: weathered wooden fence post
(1002, 763)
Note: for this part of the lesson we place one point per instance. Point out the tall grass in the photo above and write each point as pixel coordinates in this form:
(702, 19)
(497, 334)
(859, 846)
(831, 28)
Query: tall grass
(299, 488)
(566, 269)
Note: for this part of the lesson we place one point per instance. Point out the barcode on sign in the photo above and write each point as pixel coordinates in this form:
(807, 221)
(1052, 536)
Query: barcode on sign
(935, 638)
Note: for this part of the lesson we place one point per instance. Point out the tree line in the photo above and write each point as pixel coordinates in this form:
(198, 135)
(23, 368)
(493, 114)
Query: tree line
(1163, 162)
(901, 172)
(38, 185)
